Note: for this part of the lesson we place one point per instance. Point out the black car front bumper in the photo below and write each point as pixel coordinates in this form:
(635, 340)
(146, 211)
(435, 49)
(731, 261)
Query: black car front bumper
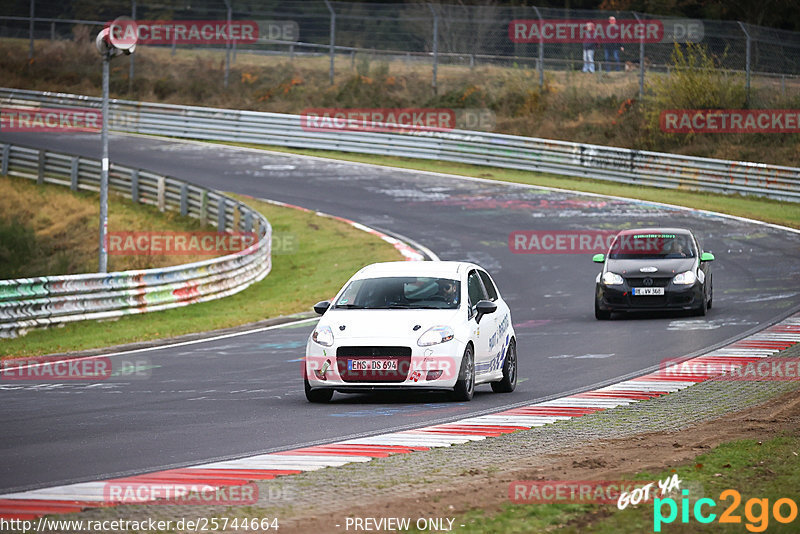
(676, 297)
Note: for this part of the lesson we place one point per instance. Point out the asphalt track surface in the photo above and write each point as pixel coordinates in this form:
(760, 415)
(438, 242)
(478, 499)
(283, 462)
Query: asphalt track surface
(243, 395)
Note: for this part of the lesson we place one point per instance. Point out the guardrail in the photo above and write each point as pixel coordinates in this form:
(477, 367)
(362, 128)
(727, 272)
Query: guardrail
(27, 303)
(621, 165)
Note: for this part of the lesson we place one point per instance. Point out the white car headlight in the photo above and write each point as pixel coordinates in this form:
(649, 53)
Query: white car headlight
(435, 335)
(685, 278)
(323, 335)
(612, 279)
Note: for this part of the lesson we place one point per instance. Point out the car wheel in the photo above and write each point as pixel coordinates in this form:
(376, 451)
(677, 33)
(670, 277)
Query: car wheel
(601, 315)
(509, 381)
(317, 395)
(710, 295)
(465, 385)
(702, 309)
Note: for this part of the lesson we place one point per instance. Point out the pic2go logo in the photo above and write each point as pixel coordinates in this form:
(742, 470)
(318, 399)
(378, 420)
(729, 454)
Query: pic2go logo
(756, 511)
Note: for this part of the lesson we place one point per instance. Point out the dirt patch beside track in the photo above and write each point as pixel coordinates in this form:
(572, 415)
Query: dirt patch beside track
(613, 459)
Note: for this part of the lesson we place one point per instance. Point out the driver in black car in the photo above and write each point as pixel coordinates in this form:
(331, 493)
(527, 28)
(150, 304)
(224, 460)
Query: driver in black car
(678, 249)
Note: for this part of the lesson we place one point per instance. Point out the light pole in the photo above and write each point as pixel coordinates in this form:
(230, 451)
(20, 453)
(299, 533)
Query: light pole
(110, 42)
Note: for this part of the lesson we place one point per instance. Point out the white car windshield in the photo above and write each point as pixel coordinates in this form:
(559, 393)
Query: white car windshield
(401, 292)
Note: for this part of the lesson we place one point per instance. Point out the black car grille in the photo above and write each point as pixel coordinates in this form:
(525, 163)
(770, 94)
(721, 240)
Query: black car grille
(401, 354)
(648, 281)
(649, 301)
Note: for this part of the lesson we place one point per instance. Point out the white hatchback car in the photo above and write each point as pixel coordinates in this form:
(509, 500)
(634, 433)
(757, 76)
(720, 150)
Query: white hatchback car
(412, 325)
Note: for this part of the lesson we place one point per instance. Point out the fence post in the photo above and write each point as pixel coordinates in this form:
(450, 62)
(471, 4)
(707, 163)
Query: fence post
(40, 175)
(162, 186)
(30, 29)
(641, 58)
(435, 46)
(52, 31)
(221, 214)
(747, 66)
(135, 186)
(132, 66)
(73, 173)
(332, 37)
(203, 207)
(541, 48)
(184, 199)
(6, 155)
(228, 45)
(236, 218)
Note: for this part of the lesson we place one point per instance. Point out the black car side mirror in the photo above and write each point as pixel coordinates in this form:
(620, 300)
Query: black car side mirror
(484, 307)
(322, 307)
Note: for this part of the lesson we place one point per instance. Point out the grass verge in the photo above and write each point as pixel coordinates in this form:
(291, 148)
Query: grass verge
(322, 262)
(757, 470)
(762, 209)
(52, 231)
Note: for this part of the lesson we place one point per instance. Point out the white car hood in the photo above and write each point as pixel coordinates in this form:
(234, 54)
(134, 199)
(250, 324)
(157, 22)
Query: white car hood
(385, 324)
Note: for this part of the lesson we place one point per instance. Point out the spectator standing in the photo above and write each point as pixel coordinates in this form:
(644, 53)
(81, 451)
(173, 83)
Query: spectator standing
(612, 50)
(589, 45)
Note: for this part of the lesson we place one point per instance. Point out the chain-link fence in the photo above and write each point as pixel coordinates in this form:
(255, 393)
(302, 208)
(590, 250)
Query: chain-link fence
(434, 34)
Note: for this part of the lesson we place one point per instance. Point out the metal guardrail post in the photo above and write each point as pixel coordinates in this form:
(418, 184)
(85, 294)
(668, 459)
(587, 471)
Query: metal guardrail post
(135, 186)
(184, 199)
(6, 155)
(40, 168)
(747, 65)
(540, 62)
(221, 206)
(332, 38)
(203, 207)
(73, 172)
(161, 190)
(248, 221)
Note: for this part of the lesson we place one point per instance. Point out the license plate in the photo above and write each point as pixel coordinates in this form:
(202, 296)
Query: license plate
(644, 291)
(372, 365)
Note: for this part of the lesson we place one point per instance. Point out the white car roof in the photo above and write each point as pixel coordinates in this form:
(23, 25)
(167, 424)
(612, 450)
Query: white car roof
(439, 269)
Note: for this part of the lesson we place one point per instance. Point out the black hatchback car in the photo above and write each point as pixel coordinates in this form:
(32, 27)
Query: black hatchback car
(654, 269)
